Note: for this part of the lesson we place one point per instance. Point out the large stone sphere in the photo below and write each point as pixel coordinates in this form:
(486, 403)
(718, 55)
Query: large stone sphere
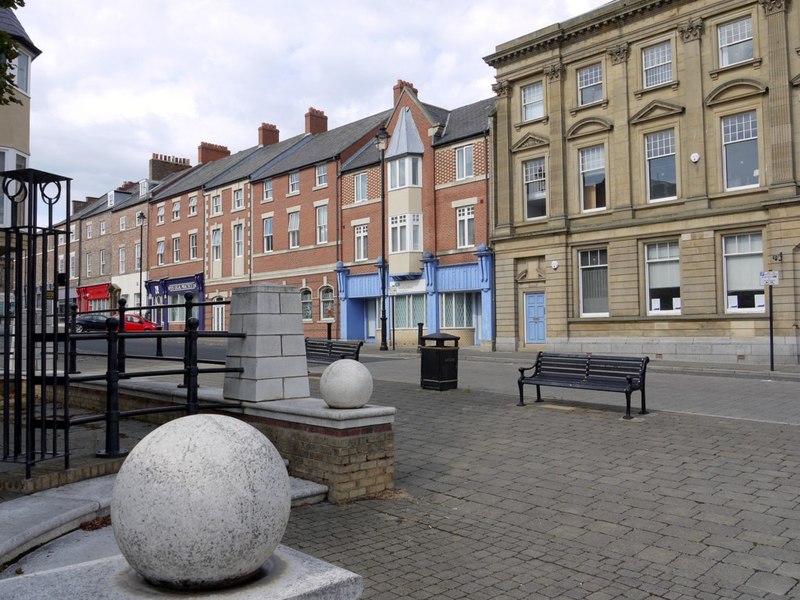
(201, 502)
(346, 383)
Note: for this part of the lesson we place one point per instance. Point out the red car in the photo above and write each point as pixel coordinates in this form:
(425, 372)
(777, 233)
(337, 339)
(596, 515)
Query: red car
(134, 322)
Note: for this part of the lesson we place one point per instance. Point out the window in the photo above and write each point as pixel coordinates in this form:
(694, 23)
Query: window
(176, 211)
(238, 240)
(657, 64)
(89, 231)
(403, 238)
(238, 199)
(160, 215)
(102, 227)
(405, 172)
(21, 71)
(409, 310)
(62, 239)
(122, 260)
(216, 205)
(740, 150)
(464, 162)
(326, 303)
(661, 178)
(735, 42)
(61, 263)
(305, 304)
(465, 219)
(294, 229)
(267, 234)
(122, 223)
(160, 252)
(322, 175)
(457, 310)
(88, 265)
(176, 249)
(294, 182)
(137, 257)
(594, 283)
(72, 272)
(216, 244)
(663, 278)
(744, 262)
(535, 182)
(102, 262)
(192, 245)
(268, 190)
(192, 206)
(533, 101)
(362, 242)
(593, 177)
(360, 185)
(590, 84)
(322, 224)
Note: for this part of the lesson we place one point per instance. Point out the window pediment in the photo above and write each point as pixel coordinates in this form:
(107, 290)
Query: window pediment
(588, 126)
(736, 90)
(530, 141)
(656, 110)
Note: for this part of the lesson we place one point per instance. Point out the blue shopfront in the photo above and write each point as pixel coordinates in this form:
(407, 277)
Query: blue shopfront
(168, 298)
(453, 298)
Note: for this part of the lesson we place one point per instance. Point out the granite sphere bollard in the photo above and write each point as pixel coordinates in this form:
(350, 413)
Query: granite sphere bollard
(346, 383)
(201, 503)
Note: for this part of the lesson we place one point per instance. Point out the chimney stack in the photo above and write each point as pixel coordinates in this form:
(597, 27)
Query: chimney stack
(268, 134)
(316, 121)
(162, 165)
(400, 86)
(207, 153)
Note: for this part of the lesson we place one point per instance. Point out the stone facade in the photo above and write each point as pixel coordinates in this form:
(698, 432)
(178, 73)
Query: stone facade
(646, 175)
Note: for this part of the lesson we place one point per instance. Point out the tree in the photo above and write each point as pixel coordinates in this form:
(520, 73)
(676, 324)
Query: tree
(9, 50)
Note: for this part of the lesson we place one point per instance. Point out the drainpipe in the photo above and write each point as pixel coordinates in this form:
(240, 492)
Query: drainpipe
(489, 187)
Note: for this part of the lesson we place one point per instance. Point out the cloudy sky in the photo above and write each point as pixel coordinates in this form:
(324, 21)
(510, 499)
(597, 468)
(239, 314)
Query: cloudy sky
(118, 80)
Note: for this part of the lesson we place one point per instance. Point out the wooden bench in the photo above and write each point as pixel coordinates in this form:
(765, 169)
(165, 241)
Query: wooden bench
(623, 374)
(328, 351)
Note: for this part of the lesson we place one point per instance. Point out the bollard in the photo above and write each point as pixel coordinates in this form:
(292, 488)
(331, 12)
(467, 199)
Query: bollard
(329, 330)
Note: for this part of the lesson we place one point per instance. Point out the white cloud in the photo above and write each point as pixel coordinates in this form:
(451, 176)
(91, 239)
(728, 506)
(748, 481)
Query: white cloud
(120, 80)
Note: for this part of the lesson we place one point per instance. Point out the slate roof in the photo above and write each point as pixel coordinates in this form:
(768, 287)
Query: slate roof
(405, 138)
(199, 175)
(259, 160)
(323, 146)
(10, 24)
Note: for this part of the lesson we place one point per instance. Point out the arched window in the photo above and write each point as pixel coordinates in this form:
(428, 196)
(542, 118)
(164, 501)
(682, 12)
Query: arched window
(326, 303)
(305, 304)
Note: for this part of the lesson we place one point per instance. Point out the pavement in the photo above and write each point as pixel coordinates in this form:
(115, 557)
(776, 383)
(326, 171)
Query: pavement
(563, 499)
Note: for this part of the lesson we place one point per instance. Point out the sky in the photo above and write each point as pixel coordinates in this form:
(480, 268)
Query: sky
(120, 80)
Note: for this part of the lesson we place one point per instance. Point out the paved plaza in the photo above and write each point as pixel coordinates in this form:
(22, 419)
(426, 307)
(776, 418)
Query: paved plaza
(698, 499)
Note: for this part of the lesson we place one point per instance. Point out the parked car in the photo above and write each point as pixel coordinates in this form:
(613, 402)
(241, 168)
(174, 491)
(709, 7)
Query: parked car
(134, 322)
(90, 323)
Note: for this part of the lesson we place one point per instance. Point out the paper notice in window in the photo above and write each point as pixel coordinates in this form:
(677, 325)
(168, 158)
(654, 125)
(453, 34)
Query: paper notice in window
(733, 301)
(676, 303)
(655, 304)
(759, 300)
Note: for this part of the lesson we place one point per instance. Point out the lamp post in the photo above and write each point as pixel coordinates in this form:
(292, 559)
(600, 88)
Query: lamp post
(141, 218)
(380, 141)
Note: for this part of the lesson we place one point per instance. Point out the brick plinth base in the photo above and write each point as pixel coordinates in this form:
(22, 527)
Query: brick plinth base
(354, 463)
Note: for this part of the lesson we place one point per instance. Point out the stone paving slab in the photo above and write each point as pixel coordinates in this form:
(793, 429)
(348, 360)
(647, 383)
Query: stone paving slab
(497, 501)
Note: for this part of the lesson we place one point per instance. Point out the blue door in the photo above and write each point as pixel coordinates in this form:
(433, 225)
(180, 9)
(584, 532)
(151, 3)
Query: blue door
(534, 318)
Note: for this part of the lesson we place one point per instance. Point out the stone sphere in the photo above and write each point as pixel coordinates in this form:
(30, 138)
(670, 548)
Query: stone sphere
(346, 383)
(201, 502)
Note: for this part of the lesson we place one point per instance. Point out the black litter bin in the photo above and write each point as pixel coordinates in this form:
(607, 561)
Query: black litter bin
(439, 362)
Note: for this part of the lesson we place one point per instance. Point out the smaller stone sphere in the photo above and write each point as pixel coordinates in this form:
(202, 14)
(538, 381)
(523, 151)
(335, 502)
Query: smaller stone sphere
(346, 383)
(201, 503)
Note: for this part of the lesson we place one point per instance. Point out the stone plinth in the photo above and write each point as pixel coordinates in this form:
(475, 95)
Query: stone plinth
(349, 450)
(287, 575)
(273, 354)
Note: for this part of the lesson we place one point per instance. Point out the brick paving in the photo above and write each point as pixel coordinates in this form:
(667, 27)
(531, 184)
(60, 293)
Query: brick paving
(565, 501)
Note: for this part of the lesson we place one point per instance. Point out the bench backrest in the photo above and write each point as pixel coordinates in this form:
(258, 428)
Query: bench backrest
(619, 367)
(555, 365)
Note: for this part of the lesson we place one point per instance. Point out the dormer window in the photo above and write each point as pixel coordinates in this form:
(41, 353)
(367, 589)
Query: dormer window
(21, 71)
(110, 199)
(144, 187)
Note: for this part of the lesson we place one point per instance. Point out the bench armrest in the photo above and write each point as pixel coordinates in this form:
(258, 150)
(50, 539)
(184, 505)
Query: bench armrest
(523, 369)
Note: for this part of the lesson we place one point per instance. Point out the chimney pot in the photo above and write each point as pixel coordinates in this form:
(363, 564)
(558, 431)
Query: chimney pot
(316, 121)
(207, 152)
(268, 134)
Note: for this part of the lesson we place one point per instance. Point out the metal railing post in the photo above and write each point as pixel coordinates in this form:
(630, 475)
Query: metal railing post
(73, 344)
(188, 315)
(191, 370)
(121, 342)
(112, 449)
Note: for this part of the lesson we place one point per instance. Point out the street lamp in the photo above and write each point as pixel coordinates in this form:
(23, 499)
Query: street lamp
(380, 142)
(140, 219)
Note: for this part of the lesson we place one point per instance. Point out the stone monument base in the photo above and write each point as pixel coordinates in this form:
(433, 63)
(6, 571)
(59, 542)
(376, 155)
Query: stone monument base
(287, 575)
